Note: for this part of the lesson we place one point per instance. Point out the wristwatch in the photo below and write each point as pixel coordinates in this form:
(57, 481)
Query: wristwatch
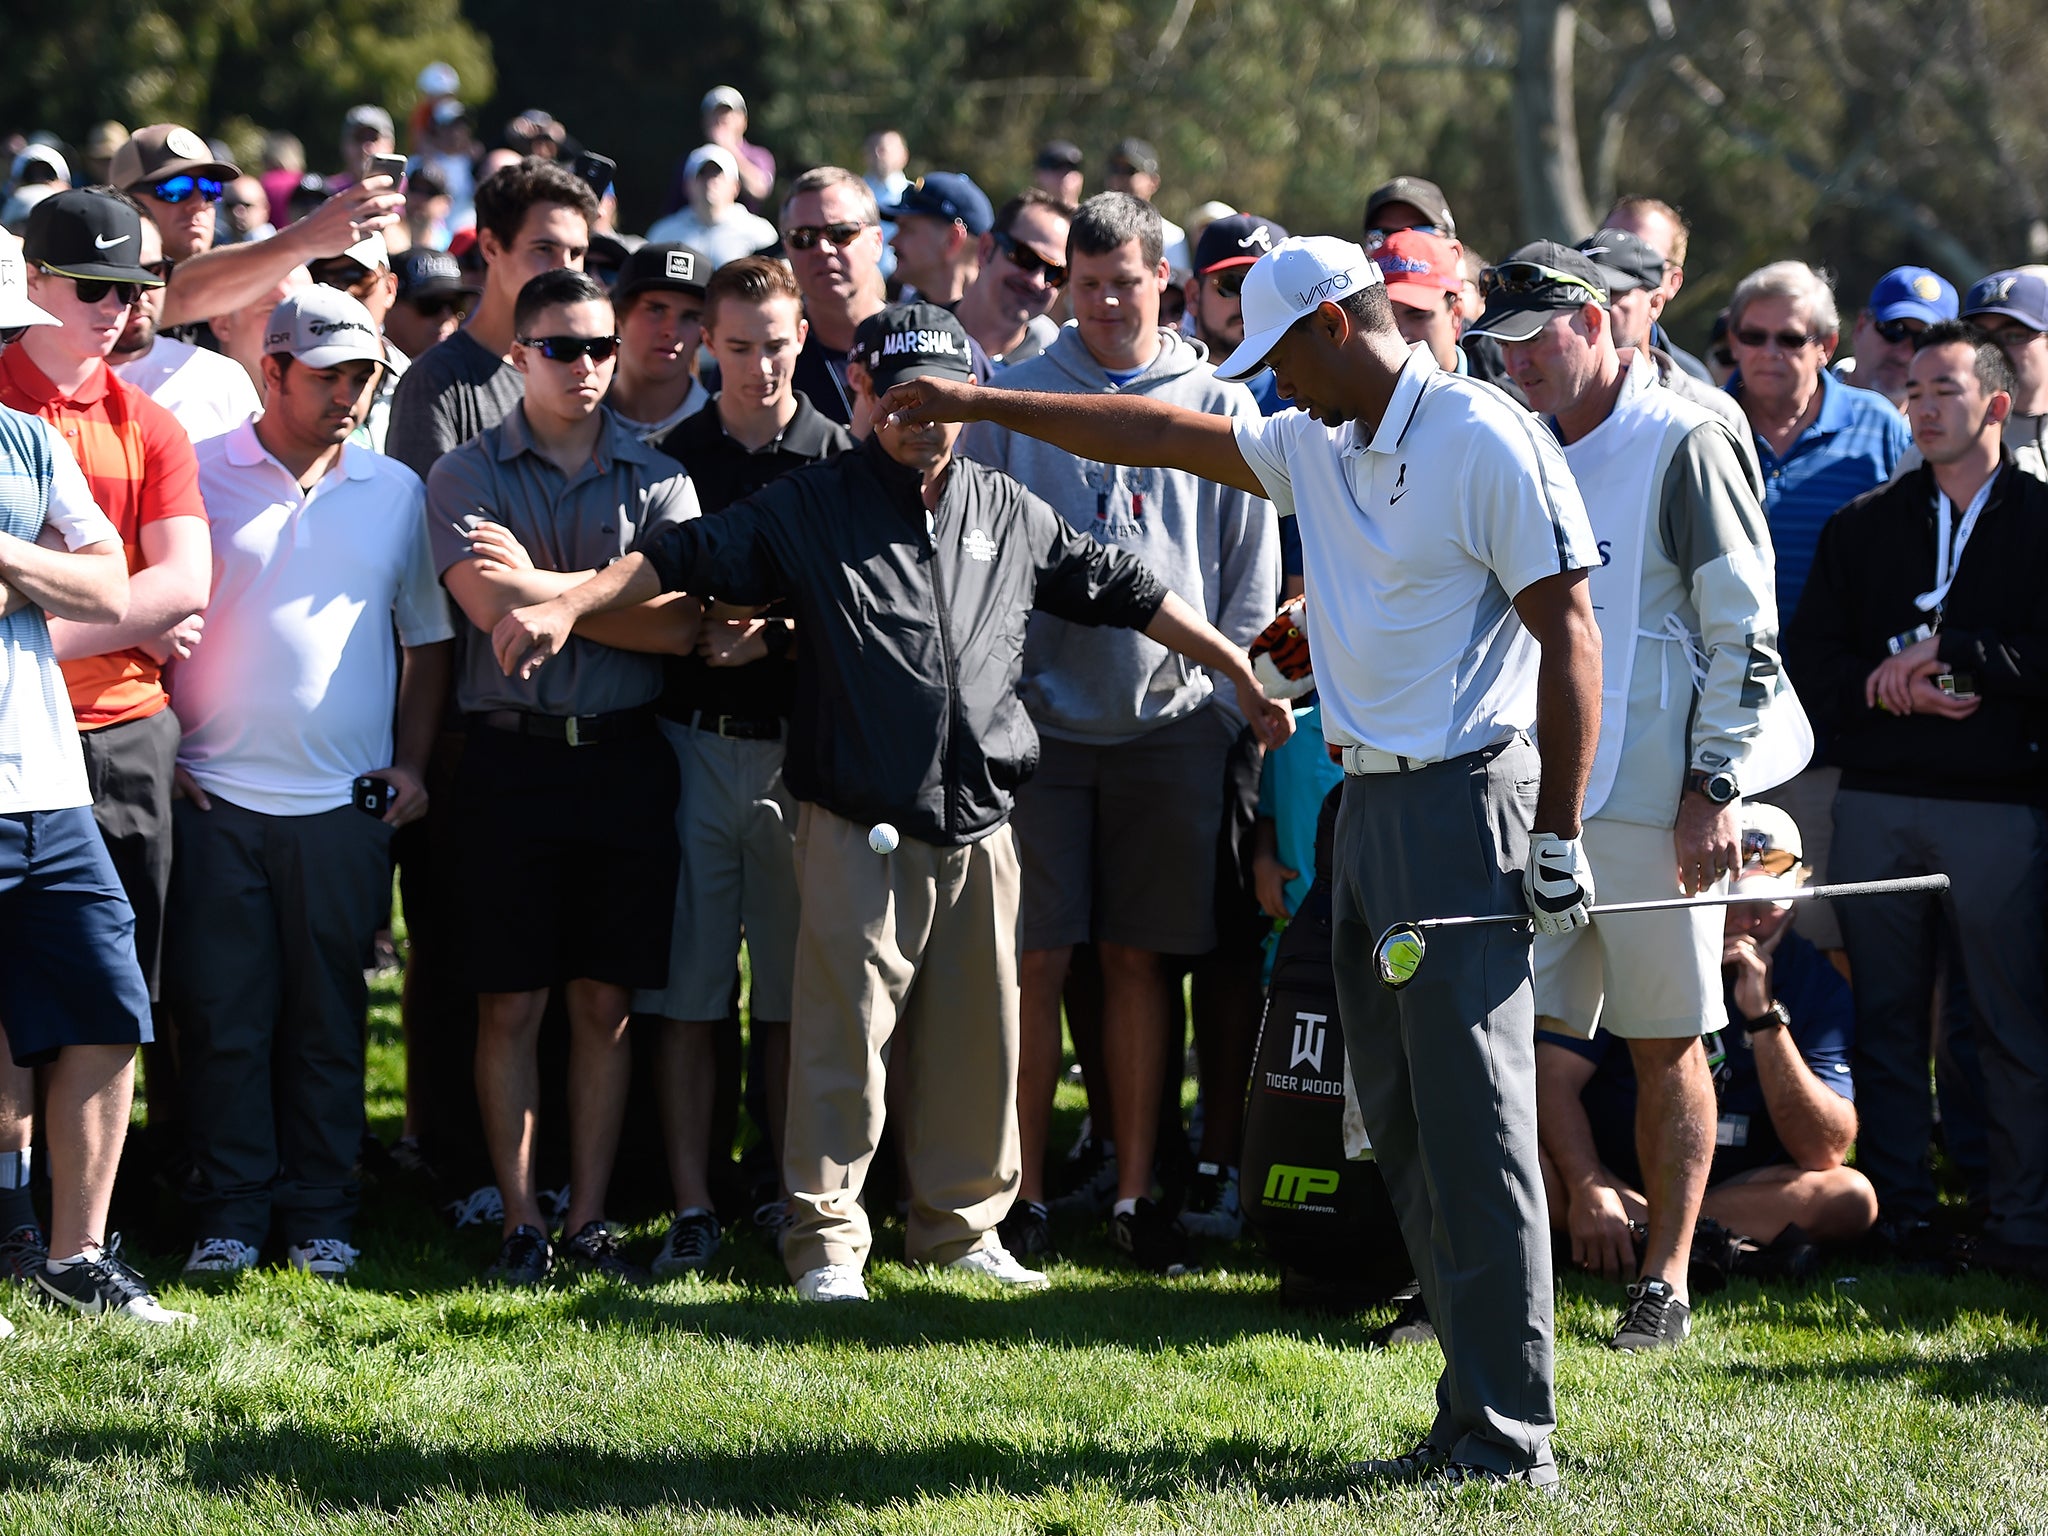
(1777, 1016)
(1718, 786)
(777, 637)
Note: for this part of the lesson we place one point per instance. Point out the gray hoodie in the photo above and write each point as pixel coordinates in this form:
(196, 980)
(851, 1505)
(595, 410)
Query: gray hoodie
(1218, 547)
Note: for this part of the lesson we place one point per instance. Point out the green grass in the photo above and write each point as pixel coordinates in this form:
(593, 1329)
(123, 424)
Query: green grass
(415, 1402)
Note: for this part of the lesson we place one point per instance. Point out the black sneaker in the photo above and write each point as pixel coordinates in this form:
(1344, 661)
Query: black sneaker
(1426, 1460)
(1151, 1238)
(1791, 1255)
(692, 1240)
(595, 1250)
(1087, 1177)
(97, 1284)
(1653, 1319)
(1211, 1207)
(22, 1252)
(1543, 1479)
(524, 1259)
(1027, 1231)
(1411, 1325)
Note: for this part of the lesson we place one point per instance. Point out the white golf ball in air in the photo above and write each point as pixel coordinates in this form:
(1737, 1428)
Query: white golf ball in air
(882, 837)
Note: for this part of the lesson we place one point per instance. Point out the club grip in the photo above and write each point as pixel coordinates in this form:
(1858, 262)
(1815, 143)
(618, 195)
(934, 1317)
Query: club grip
(1901, 887)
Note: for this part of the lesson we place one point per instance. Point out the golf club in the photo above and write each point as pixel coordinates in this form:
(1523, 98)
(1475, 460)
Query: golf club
(1398, 954)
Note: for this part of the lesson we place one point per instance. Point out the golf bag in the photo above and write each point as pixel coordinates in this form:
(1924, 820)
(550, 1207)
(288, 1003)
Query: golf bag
(1325, 1218)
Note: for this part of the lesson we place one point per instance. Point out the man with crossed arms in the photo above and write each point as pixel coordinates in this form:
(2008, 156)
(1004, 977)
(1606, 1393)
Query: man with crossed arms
(1444, 542)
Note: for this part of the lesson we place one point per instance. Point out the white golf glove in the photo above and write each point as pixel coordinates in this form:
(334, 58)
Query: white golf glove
(1558, 883)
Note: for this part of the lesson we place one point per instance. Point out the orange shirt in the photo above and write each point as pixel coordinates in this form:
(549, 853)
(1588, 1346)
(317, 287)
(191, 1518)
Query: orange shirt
(140, 466)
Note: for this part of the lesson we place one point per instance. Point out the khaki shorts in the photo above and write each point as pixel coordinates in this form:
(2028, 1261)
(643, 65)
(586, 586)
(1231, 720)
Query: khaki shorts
(1646, 976)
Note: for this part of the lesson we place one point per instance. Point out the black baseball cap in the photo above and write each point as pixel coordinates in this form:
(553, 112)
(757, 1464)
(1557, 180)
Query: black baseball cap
(1236, 240)
(1628, 262)
(912, 341)
(1540, 280)
(430, 274)
(82, 233)
(1424, 196)
(1059, 155)
(947, 195)
(663, 264)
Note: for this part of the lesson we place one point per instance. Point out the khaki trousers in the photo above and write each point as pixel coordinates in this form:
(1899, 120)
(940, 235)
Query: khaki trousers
(905, 963)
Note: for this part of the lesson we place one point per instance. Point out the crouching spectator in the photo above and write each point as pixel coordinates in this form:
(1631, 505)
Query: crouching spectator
(1785, 1096)
(322, 576)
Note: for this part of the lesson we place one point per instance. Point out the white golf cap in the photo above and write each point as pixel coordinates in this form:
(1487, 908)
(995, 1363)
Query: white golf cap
(1771, 852)
(711, 154)
(15, 309)
(322, 327)
(370, 253)
(1293, 279)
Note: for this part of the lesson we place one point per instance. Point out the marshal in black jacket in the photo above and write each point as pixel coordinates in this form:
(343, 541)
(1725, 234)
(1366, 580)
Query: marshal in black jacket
(911, 626)
(1874, 557)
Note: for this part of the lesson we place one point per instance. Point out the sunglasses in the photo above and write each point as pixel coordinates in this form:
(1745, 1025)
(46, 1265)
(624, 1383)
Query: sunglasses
(1786, 341)
(160, 270)
(1723, 357)
(440, 305)
(92, 289)
(10, 334)
(806, 237)
(1375, 238)
(1028, 261)
(1896, 331)
(176, 189)
(350, 277)
(1229, 283)
(1520, 277)
(566, 349)
(1757, 852)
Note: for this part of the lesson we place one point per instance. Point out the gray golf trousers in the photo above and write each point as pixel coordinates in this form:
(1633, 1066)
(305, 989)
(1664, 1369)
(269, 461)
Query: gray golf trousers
(1446, 1076)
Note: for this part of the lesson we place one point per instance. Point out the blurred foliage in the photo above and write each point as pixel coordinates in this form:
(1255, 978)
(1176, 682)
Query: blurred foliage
(1856, 133)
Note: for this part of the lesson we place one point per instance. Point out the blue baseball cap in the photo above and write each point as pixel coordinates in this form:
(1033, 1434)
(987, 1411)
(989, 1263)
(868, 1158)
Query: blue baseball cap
(2016, 293)
(1913, 293)
(945, 195)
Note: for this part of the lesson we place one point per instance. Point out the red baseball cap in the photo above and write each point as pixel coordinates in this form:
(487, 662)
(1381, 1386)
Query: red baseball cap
(1419, 269)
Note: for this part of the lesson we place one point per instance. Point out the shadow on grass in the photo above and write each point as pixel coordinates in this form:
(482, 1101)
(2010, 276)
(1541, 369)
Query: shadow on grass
(369, 1470)
(2016, 1372)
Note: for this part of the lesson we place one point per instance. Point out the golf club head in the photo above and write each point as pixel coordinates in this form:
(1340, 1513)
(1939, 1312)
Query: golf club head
(1398, 955)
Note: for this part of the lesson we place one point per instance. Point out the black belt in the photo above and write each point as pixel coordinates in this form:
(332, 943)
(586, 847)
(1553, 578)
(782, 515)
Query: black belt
(576, 730)
(735, 727)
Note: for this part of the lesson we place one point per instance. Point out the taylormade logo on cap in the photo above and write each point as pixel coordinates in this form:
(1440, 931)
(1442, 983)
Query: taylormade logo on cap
(1293, 279)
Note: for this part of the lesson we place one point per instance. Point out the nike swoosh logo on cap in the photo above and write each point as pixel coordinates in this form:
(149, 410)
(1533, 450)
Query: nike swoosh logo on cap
(105, 244)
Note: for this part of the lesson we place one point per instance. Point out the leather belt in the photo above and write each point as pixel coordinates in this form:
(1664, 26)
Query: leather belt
(1364, 760)
(576, 730)
(736, 727)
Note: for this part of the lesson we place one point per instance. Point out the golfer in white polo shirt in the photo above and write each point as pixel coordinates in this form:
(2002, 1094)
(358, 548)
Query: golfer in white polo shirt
(1446, 550)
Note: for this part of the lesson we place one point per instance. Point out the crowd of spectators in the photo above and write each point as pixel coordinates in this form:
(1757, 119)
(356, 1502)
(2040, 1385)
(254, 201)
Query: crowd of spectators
(954, 734)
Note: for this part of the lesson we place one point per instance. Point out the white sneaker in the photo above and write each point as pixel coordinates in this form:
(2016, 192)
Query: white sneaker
(324, 1258)
(1001, 1266)
(481, 1207)
(216, 1257)
(832, 1282)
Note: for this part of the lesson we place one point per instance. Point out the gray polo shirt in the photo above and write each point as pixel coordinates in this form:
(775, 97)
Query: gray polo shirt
(579, 523)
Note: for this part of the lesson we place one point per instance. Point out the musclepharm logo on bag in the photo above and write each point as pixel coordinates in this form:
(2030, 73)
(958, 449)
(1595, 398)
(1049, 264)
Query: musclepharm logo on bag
(1296, 1188)
(1309, 1035)
(978, 546)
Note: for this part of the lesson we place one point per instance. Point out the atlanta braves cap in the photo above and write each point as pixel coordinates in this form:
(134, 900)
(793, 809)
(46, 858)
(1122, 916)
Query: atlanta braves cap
(1235, 240)
(1294, 279)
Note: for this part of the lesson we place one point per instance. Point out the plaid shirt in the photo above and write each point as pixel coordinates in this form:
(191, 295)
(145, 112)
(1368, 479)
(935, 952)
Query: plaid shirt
(140, 466)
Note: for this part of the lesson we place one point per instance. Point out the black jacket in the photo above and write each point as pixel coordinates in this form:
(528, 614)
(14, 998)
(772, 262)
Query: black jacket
(1874, 557)
(913, 627)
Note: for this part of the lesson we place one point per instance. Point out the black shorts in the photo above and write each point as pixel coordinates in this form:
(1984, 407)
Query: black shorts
(68, 973)
(566, 860)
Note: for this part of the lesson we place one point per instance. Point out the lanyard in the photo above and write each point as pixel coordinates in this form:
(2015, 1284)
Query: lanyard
(1949, 541)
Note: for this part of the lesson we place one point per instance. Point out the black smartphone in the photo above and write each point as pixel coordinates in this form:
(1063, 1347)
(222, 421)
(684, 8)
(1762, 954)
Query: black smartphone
(598, 170)
(373, 796)
(392, 166)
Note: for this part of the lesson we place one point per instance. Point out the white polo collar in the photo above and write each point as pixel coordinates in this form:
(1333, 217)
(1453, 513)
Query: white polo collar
(1409, 387)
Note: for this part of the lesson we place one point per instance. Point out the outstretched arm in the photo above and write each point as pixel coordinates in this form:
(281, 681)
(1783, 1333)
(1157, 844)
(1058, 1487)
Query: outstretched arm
(1180, 628)
(1112, 429)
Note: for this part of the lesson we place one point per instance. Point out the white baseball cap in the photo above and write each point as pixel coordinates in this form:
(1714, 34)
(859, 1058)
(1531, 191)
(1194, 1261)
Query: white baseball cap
(711, 154)
(1293, 279)
(1771, 853)
(15, 308)
(322, 327)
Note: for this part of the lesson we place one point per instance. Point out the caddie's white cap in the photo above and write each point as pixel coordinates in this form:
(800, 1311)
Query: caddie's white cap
(323, 327)
(15, 308)
(1293, 279)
